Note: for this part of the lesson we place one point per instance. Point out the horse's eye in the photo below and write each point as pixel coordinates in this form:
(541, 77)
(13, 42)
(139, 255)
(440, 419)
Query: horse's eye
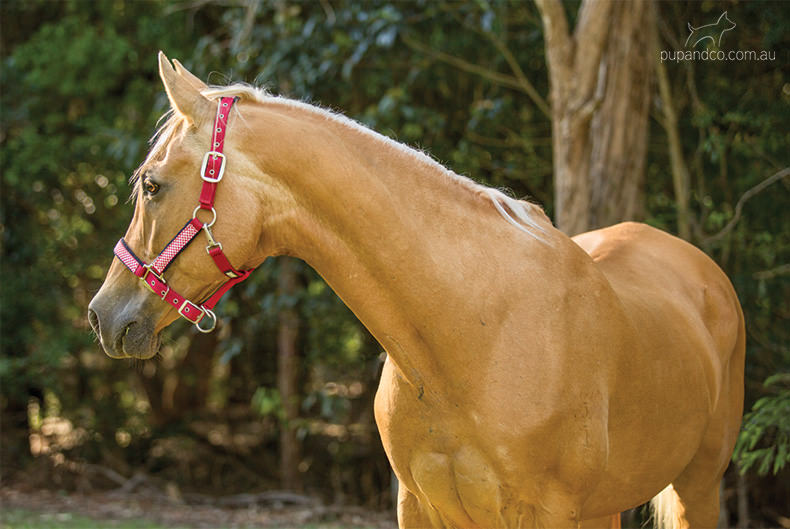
(150, 187)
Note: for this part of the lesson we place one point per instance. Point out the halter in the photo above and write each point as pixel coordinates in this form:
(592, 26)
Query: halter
(211, 171)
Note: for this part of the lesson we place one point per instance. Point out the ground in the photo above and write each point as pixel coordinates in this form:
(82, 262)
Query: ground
(39, 509)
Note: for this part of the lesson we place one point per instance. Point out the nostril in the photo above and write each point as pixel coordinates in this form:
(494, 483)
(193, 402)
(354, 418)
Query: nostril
(93, 319)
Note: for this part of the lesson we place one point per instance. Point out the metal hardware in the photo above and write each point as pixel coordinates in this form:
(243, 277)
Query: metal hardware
(210, 314)
(213, 218)
(211, 242)
(216, 178)
(144, 279)
(186, 307)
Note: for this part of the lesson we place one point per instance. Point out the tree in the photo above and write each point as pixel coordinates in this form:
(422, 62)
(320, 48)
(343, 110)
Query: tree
(288, 359)
(600, 97)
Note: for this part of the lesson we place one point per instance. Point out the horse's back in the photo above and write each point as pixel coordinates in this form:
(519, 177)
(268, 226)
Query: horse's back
(658, 276)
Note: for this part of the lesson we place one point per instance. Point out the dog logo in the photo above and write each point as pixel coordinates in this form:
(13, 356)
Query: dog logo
(714, 31)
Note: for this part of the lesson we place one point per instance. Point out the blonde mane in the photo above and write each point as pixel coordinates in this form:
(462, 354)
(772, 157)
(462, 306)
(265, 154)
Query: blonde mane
(521, 214)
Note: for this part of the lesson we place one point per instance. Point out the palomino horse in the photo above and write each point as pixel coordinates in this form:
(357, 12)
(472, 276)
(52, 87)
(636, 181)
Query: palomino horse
(532, 380)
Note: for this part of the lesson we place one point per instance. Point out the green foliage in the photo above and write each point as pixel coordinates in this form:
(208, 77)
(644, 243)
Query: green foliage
(77, 107)
(765, 440)
(267, 401)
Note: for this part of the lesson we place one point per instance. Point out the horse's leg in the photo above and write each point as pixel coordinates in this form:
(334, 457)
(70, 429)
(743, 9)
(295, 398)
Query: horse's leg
(697, 487)
(694, 502)
(410, 514)
(700, 504)
(695, 499)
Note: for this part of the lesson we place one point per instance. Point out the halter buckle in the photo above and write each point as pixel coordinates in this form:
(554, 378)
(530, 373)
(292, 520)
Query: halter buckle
(216, 178)
(184, 308)
(144, 279)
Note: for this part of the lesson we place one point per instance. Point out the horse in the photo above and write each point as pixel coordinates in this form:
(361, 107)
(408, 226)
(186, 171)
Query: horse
(531, 379)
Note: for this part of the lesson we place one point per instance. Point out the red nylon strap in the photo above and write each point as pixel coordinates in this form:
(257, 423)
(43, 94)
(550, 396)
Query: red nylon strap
(236, 276)
(130, 261)
(157, 284)
(215, 297)
(222, 262)
(214, 160)
(174, 247)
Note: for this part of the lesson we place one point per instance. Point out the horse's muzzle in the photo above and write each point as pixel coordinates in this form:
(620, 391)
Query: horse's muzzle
(122, 332)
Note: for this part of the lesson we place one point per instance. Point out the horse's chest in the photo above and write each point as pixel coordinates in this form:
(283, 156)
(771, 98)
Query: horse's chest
(408, 418)
(435, 453)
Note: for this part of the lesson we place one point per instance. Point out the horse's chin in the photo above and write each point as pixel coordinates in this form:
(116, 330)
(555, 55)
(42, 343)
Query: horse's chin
(151, 351)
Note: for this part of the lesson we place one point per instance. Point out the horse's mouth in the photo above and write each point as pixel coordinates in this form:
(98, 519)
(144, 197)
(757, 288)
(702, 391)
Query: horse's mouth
(134, 342)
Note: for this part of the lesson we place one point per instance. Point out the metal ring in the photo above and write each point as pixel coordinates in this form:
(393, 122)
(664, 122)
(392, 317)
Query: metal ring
(210, 314)
(213, 219)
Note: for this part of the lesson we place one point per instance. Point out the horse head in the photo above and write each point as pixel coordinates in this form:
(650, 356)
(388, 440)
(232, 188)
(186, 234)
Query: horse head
(125, 315)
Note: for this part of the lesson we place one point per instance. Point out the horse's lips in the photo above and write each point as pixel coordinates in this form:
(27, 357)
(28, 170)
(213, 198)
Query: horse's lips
(138, 342)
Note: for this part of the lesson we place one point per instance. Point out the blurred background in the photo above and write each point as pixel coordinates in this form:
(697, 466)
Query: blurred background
(280, 397)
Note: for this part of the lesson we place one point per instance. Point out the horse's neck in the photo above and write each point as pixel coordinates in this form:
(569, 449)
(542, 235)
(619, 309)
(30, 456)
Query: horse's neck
(405, 244)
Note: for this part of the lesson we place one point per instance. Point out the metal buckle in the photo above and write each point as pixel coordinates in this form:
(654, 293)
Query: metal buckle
(216, 178)
(185, 305)
(210, 314)
(144, 277)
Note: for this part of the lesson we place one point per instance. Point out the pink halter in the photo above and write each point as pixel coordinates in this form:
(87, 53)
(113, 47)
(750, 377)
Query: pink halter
(211, 172)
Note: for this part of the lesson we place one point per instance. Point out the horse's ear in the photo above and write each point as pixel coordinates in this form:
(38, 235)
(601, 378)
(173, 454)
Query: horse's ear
(189, 76)
(185, 98)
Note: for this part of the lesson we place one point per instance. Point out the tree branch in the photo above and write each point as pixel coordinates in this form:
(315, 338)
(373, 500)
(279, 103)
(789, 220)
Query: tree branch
(559, 46)
(590, 36)
(783, 173)
(508, 81)
(781, 270)
(526, 85)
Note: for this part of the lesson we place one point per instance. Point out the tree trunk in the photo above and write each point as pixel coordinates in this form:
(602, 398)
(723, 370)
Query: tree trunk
(742, 495)
(194, 376)
(288, 376)
(680, 171)
(600, 92)
(15, 430)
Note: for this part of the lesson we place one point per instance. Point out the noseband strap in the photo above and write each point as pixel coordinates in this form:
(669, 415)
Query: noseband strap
(212, 170)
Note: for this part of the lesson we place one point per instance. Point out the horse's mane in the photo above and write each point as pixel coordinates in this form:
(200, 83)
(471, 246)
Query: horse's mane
(523, 215)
